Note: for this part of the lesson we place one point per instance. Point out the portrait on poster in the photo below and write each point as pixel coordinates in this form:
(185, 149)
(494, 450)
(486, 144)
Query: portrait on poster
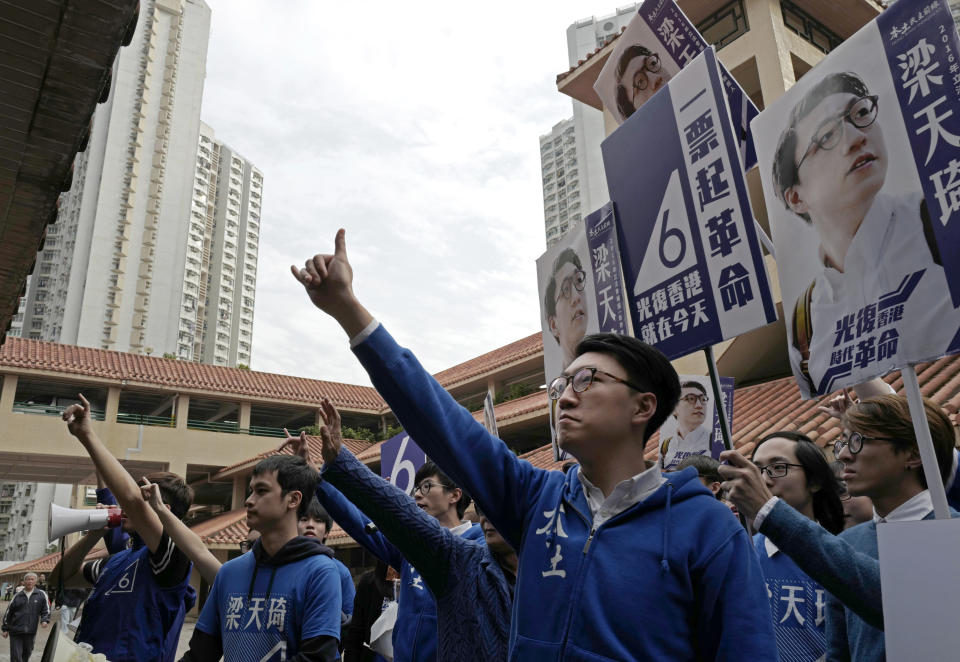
(862, 277)
(690, 429)
(635, 71)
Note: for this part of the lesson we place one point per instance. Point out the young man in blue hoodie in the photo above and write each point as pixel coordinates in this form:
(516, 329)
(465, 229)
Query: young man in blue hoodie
(618, 562)
(142, 593)
(282, 601)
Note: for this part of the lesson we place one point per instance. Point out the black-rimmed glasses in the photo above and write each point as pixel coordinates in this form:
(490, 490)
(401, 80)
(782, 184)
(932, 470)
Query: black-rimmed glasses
(425, 487)
(578, 280)
(651, 64)
(582, 379)
(777, 469)
(854, 443)
(861, 114)
(692, 399)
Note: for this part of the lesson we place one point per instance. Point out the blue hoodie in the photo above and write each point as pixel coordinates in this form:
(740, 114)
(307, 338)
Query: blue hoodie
(673, 577)
(415, 632)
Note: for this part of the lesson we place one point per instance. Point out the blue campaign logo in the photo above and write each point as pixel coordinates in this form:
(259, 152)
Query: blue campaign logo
(400, 458)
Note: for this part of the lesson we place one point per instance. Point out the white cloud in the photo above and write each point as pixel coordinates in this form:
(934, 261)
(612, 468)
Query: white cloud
(414, 126)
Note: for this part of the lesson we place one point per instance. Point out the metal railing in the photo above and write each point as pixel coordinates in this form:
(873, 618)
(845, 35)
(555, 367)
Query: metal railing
(143, 419)
(50, 410)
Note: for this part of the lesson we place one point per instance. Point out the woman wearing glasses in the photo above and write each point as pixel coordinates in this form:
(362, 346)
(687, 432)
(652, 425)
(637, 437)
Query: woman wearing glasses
(829, 168)
(881, 461)
(795, 470)
(692, 437)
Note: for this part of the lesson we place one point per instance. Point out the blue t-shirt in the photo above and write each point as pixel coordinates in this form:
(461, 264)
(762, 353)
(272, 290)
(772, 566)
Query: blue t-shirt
(347, 590)
(284, 605)
(798, 606)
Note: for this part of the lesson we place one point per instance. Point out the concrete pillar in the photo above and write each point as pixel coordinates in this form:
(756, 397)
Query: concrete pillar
(183, 410)
(239, 492)
(178, 466)
(8, 393)
(492, 388)
(113, 405)
(244, 416)
(774, 67)
(317, 418)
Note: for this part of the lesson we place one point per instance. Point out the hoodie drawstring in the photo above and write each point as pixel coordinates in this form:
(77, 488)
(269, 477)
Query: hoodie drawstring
(664, 565)
(273, 574)
(253, 580)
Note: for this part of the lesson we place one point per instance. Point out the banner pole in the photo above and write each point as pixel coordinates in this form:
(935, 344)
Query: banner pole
(921, 429)
(764, 239)
(718, 399)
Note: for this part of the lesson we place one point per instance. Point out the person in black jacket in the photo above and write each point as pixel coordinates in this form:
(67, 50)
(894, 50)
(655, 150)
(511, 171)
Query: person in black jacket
(20, 620)
(372, 588)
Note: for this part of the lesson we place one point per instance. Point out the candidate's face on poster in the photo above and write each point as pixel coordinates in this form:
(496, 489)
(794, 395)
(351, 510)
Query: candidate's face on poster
(842, 160)
(569, 323)
(641, 75)
(691, 410)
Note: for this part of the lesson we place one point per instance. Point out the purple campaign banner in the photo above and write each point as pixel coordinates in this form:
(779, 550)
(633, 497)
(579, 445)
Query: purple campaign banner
(611, 300)
(400, 458)
(683, 41)
(923, 53)
(691, 258)
(726, 388)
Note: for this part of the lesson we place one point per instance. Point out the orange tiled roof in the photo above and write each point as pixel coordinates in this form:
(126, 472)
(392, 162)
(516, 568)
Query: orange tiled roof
(231, 528)
(607, 42)
(355, 446)
(46, 563)
(528, 404)
(87, 361)
(515, 351)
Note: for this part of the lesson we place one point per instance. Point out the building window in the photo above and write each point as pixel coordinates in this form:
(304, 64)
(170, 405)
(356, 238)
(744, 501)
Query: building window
(808, 27)
(725, 25)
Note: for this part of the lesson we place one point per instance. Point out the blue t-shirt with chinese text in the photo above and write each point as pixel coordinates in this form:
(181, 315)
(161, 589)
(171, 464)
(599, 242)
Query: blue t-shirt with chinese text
(263, 608)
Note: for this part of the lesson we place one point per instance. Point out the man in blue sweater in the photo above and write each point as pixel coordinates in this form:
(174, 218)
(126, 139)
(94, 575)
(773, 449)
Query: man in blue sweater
(618, 562)
(414, 634)
(881, 460)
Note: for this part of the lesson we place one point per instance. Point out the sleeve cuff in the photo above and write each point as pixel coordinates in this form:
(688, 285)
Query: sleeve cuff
(363, 335)
(763, 512)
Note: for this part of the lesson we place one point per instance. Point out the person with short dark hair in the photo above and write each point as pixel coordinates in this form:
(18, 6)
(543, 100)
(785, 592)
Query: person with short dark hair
(707, 471)
(620, 562)
(142, 593)
(796, 470)
(881, 460)
(28, 607)
(694, 434)
(829, 169)
(316, 523)
(639, 76)
(283, 598)
(565, 304)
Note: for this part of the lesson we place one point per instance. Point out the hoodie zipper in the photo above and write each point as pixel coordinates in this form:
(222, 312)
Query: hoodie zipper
(586, 547)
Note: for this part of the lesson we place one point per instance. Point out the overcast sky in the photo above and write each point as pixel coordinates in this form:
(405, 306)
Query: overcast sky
(413, 125)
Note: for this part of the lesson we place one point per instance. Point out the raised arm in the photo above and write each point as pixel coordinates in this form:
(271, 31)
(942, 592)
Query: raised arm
(185, 539)
(503, 487)
(850, 575)
(124, 487)
(424, 542)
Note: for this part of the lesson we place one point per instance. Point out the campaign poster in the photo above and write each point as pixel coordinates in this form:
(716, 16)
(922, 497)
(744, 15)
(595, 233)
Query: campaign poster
(581, 292)
(693, 265)
(657, 44)
(694, 427)
(400, 459)
(860, 164)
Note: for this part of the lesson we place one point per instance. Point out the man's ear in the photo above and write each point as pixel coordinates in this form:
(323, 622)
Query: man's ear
(645, 406)
(913, 460)
(796, 204)
(552, 321)
(296, 497)
(455, 495)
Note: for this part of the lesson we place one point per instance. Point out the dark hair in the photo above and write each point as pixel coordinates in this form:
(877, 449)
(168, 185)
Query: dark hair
(889, 416)
(624, 105)
(785, 172)
(174, 491)
(693, 384)
(550, 295)
(319, 513)
(646, 366)
(705, 465)
(827, 508)
(430, 469)
(293, 475)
